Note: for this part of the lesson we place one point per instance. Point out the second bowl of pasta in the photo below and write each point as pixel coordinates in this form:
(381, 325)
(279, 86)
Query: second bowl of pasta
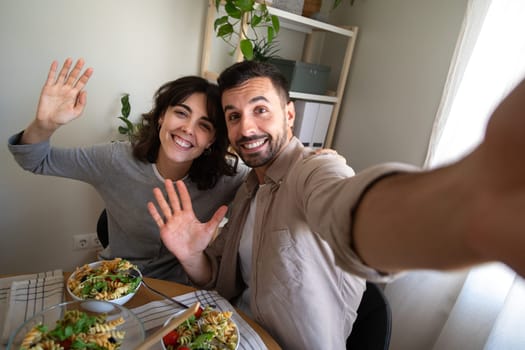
(108, 280)
(78, 325)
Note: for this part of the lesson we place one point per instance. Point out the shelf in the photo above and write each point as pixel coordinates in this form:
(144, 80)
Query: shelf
(306, 24)
(311, 97)
(301, 24)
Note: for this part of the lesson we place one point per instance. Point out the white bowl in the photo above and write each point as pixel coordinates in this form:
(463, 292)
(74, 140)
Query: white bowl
(132, 327)
(124, 298)
(237, 334)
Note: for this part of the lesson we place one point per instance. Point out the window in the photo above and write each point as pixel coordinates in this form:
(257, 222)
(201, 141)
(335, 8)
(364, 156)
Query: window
(489, 61)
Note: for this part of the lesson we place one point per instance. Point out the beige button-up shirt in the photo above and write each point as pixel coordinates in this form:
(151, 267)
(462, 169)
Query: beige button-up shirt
(306, 281)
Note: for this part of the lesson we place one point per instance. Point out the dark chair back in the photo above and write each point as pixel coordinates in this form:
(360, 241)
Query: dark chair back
(102, 228)
(373, 325)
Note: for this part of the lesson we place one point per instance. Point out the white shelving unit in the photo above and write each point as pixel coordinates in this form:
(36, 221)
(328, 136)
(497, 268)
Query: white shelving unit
(302, 24)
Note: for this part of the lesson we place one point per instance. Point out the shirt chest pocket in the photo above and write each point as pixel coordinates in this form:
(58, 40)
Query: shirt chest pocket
(280, 261)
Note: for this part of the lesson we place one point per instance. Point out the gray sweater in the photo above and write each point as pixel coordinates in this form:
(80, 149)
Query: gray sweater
(125, 184)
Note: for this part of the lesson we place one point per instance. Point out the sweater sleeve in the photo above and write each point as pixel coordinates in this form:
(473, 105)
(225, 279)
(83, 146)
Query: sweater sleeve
(87, 164)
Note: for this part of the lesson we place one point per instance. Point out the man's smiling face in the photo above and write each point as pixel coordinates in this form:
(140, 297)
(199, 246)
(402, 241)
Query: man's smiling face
(259, 122)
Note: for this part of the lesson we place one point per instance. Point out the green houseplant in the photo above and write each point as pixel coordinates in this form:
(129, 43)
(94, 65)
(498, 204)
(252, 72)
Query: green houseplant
(251, 17)
(129, 128)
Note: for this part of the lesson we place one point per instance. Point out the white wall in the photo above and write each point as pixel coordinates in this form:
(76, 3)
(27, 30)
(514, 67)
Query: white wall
(134, 46)
(399, 68)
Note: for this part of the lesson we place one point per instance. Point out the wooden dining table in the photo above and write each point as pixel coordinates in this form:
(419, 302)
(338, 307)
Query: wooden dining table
(174, 289)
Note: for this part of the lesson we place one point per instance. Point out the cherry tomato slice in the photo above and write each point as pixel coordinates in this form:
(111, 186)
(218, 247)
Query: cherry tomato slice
(170, 338)
(199, 311)
(66, 344)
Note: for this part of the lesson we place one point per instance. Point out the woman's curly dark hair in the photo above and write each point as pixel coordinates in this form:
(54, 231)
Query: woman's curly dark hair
(210, 165)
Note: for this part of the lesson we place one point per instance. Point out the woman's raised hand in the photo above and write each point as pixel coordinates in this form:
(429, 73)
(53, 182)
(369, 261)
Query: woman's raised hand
(182, 233)
(62, 99)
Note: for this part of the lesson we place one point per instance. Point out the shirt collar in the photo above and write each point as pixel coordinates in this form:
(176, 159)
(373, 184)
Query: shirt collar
(280, 166)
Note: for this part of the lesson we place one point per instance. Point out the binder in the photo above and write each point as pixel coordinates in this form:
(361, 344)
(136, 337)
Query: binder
(305, 118)
(311, 122)
(321, 124)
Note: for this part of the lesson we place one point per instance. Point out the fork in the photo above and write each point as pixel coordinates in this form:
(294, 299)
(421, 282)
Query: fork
(164, 295)
(136, 273)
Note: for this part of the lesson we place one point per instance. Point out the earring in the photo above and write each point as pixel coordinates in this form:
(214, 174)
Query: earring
(207, 151)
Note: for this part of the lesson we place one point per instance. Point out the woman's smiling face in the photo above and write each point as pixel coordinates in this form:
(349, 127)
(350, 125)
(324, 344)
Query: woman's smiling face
(186, 130)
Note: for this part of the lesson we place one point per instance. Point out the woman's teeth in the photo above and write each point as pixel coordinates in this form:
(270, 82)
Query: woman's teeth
(182, 143)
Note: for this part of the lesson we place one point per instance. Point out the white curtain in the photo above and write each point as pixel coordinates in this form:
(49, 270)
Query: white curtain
(484, 307)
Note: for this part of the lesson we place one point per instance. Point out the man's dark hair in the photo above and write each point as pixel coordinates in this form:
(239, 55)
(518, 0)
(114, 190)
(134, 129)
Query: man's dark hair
(240, 72)
(211, 164)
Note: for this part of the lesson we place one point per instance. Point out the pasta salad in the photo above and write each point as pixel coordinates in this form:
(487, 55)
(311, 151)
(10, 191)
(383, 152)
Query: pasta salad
(104, 280)
(76, 330)
(207, 329)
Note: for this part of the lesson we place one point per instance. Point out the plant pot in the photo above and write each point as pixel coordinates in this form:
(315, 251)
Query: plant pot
(311, 7)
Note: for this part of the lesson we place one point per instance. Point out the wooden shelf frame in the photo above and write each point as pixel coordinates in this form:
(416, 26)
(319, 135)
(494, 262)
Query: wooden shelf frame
(297, 23)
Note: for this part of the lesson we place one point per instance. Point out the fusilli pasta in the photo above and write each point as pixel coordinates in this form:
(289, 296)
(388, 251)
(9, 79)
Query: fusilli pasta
(212, 329)
(107, 281)
(76, 330)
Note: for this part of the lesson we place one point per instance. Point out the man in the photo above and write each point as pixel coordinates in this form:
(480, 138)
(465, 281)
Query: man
(300, 221)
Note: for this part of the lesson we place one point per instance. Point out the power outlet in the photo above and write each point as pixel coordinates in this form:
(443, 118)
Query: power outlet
(95, 243)
(86, 241)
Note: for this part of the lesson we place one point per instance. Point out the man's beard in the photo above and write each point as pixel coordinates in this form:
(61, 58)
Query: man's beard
(267, 155)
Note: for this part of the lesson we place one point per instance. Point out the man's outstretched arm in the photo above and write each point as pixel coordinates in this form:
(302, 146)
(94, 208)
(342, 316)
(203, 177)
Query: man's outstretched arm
(470, 212)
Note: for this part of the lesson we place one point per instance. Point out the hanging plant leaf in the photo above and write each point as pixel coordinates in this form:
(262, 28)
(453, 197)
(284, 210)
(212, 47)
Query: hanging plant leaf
(276, 24)
(245, 5)
(255, 21)
(270, 34)
(232, 10)
(247, 49)
(225, 30)
(220, 21)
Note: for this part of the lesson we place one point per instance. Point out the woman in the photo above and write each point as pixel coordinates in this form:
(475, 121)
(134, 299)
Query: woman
(182, 137)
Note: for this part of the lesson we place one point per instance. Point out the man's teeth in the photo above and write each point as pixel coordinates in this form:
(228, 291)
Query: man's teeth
(182, 142)
(253, 144)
